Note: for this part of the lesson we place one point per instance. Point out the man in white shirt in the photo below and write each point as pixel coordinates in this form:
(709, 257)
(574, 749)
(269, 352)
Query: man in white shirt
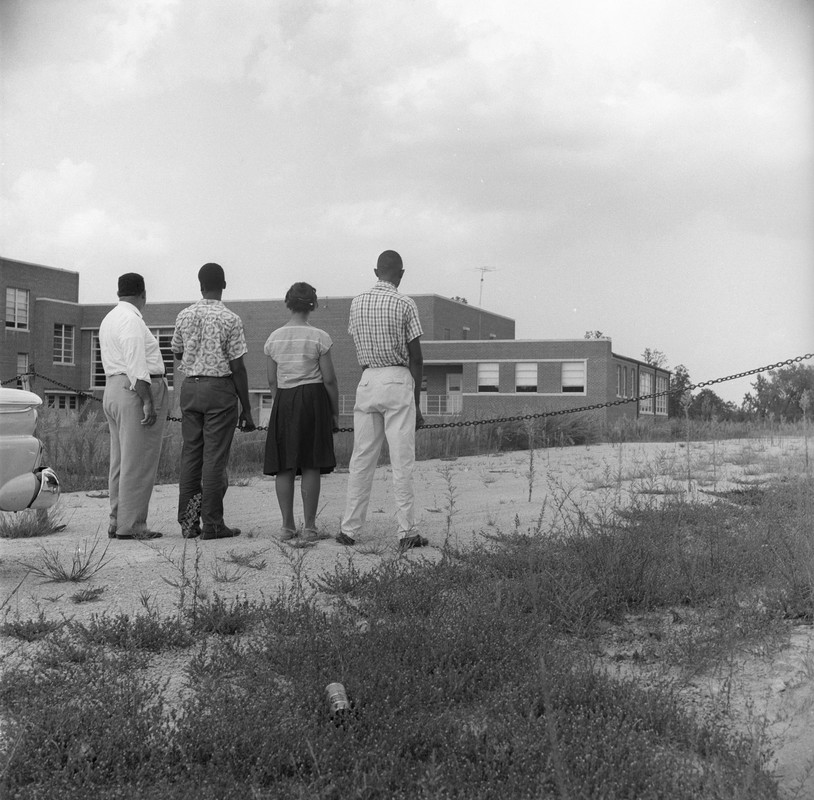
(135, 403)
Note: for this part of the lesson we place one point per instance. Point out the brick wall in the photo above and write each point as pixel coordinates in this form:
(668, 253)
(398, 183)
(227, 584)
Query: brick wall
(37, 341)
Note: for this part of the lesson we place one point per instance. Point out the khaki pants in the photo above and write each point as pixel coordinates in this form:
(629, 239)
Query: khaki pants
(134, 451)
(384, 409)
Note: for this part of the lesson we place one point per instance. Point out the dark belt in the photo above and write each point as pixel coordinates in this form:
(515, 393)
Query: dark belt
(208, 377)
(365, 366)
(124, 375)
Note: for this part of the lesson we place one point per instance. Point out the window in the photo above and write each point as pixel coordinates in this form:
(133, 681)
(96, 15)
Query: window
(63, 343)
(661, 400)
(488, 377)
(465, 332)
(646, 387)
(22, 371)
(63, 402)
(97, 370)
(17, 308)
(525, 376)
(631, 382)
(573, 377)
(619, 387)
(164, 337)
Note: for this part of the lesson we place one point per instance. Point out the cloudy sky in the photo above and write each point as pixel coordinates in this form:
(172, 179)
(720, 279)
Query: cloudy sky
(640, 167)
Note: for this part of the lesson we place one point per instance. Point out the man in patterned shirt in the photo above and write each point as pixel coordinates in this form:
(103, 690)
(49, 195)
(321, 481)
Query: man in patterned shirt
(210, 344)
(386, 330)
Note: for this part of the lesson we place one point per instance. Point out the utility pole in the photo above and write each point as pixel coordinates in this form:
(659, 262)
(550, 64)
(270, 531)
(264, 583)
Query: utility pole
(482, 271)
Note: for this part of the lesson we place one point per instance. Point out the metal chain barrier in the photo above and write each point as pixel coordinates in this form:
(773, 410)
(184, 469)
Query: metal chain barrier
(517, 418)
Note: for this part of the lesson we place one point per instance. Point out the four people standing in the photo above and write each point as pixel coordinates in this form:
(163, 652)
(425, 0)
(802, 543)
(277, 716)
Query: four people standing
(209, 344)
(135, 404)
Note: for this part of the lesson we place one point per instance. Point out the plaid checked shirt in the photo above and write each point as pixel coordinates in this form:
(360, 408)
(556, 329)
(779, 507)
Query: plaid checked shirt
(382, 322)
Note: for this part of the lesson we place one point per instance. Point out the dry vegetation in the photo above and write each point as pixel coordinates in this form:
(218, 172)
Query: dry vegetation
(568, 654)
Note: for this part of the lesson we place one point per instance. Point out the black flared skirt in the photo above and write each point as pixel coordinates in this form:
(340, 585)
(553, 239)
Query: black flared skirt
(300, 431)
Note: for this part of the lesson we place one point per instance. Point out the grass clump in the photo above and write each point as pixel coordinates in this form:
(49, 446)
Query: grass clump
(85, 563)
(30, 630)
(29, 523)
(140, 632)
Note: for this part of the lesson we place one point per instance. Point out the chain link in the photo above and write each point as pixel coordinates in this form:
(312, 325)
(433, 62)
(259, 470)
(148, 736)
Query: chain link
(518, 417)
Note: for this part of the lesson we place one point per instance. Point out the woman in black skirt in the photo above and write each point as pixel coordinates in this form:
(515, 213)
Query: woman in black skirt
(304, 412)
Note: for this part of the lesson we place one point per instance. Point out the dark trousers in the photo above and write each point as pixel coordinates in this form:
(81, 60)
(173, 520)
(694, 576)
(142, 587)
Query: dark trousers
(209, 410)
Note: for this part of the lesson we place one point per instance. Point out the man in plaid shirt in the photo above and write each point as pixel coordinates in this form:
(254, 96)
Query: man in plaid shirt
(386, 331)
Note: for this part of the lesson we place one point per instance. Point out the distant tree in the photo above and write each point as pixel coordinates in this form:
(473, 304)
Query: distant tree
(460, 300)
(595, 335)
(781, 393)
(706, 404)
(679, 383)
(654, 358)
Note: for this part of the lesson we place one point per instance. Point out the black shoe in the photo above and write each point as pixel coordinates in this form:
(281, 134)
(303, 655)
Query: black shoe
(220, 532)
(140, 535)
(111, 532)
(192, 532)
(409, 542)
(343, 538)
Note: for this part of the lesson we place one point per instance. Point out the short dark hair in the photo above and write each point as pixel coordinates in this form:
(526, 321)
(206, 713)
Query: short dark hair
(301, 297)
(211, 277)
(131, 284)
(390, 262)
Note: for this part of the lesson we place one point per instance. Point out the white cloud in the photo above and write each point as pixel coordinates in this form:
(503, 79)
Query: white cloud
(55, 216)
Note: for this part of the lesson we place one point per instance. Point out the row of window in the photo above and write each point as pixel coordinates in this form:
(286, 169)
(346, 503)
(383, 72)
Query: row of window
(626, 387)
(97, 370)
(571, 377)
(17, 315)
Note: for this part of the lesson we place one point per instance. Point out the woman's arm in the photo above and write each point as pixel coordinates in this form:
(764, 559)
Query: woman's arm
(271, 372)
(326, 367)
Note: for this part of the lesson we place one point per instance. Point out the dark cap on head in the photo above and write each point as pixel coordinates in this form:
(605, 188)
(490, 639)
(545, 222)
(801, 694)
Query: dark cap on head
(131, 284)
(211, 277)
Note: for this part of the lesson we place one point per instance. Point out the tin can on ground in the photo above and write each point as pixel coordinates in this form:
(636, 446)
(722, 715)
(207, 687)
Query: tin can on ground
(337, 699)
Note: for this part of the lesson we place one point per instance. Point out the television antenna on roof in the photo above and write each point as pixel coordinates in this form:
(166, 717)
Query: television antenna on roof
(482, 271)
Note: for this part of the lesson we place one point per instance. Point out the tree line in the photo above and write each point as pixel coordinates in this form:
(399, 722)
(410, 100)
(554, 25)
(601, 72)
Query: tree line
(784, 395)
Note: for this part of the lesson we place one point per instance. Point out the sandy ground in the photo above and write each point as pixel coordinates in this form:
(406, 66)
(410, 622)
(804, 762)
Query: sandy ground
(461, 499)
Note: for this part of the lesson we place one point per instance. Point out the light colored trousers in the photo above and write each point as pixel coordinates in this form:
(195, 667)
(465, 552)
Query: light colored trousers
(384, 409)
(134, 451)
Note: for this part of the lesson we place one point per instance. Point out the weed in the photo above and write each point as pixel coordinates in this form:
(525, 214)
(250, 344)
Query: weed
(222, 574)
(218, 616)
(31, 630)
(451, 504)
(29, 523)
(182, 580)
(250, 560)
(140, 632)
(85, 563)
(89, 595)
(345, 579)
